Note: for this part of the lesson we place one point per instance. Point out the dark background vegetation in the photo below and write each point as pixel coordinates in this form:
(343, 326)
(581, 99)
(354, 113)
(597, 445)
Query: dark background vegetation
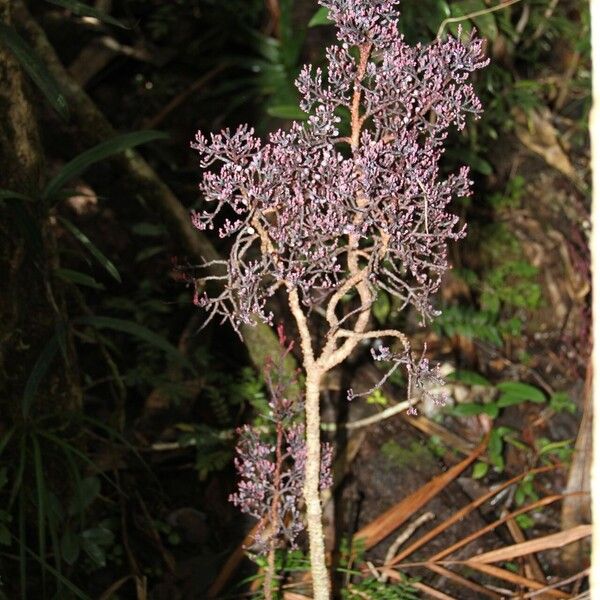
(117, 411)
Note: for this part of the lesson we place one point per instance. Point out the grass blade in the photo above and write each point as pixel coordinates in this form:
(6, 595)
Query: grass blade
(35, 68)
(98, 153)
(92, 248)
(83, 10)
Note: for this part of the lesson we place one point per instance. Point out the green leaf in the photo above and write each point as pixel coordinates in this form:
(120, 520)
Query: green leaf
(5, 537)
(86, 492)
(479, 470)
(38, 372)
(92, 248)
(70, 547)
(524, 521)
(83, 10)
(42, 515)
(523, 391)
(469, 409)
(382, 307)
(96, 553)
(149, 229)
(287, 111)
(5, 439)
(35, 68)
(98, 153)
(78, 278)
(99, 535)
(321, 17)
(468, 377)
(138, 331)
(561, 402)
(10, 195)
(57, 574)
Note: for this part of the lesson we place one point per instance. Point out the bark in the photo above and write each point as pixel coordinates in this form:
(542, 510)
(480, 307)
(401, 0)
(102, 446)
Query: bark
(92, 125)
(314, 512)
(32, 302)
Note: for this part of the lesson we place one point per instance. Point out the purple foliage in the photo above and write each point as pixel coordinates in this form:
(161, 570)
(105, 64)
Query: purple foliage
(296, 205)
(272, 473)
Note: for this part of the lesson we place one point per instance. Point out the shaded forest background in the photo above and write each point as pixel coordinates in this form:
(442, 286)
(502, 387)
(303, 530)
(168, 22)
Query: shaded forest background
(118, 412)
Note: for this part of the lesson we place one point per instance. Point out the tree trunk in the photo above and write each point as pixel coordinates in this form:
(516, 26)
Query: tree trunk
(32, 305)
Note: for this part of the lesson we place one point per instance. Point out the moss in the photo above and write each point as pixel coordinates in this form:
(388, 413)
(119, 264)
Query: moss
(415, 456)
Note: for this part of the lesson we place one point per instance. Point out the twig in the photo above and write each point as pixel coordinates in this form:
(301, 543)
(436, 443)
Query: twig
(178, 100)
(575, 577)
(477, 13)
(408, 531)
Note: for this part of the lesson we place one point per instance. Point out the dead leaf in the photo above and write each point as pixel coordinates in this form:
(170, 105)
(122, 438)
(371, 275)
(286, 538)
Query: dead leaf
(555, 540)
(390, 520)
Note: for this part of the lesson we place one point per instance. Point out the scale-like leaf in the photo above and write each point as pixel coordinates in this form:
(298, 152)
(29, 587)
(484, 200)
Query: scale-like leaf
(35, 68)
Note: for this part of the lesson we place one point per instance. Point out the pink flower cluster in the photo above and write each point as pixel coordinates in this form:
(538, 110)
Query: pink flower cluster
(272, 473)
(295, 205)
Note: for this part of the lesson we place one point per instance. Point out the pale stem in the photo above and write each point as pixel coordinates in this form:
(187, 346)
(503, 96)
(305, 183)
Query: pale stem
(314, 516)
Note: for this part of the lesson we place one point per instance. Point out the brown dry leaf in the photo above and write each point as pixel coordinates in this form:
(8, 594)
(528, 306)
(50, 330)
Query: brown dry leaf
(555, 540)
(514, 578)
(537, 133)
(461, 514)
(533, 570)
(469, 538)
(432, 591)
(390, 520)
(467, 583)
(576, 509)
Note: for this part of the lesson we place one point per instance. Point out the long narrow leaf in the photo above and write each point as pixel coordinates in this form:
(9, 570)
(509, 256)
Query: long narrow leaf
(78, 278)
(93, 249)
(69, 448)
(138, 331)
(38, 372)
(6, 438)
(16, 488)
(10, 195)
(35, 68)
(68, 584)
(40, 485)
(98, 153)
(22, 548)
(83, 10)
